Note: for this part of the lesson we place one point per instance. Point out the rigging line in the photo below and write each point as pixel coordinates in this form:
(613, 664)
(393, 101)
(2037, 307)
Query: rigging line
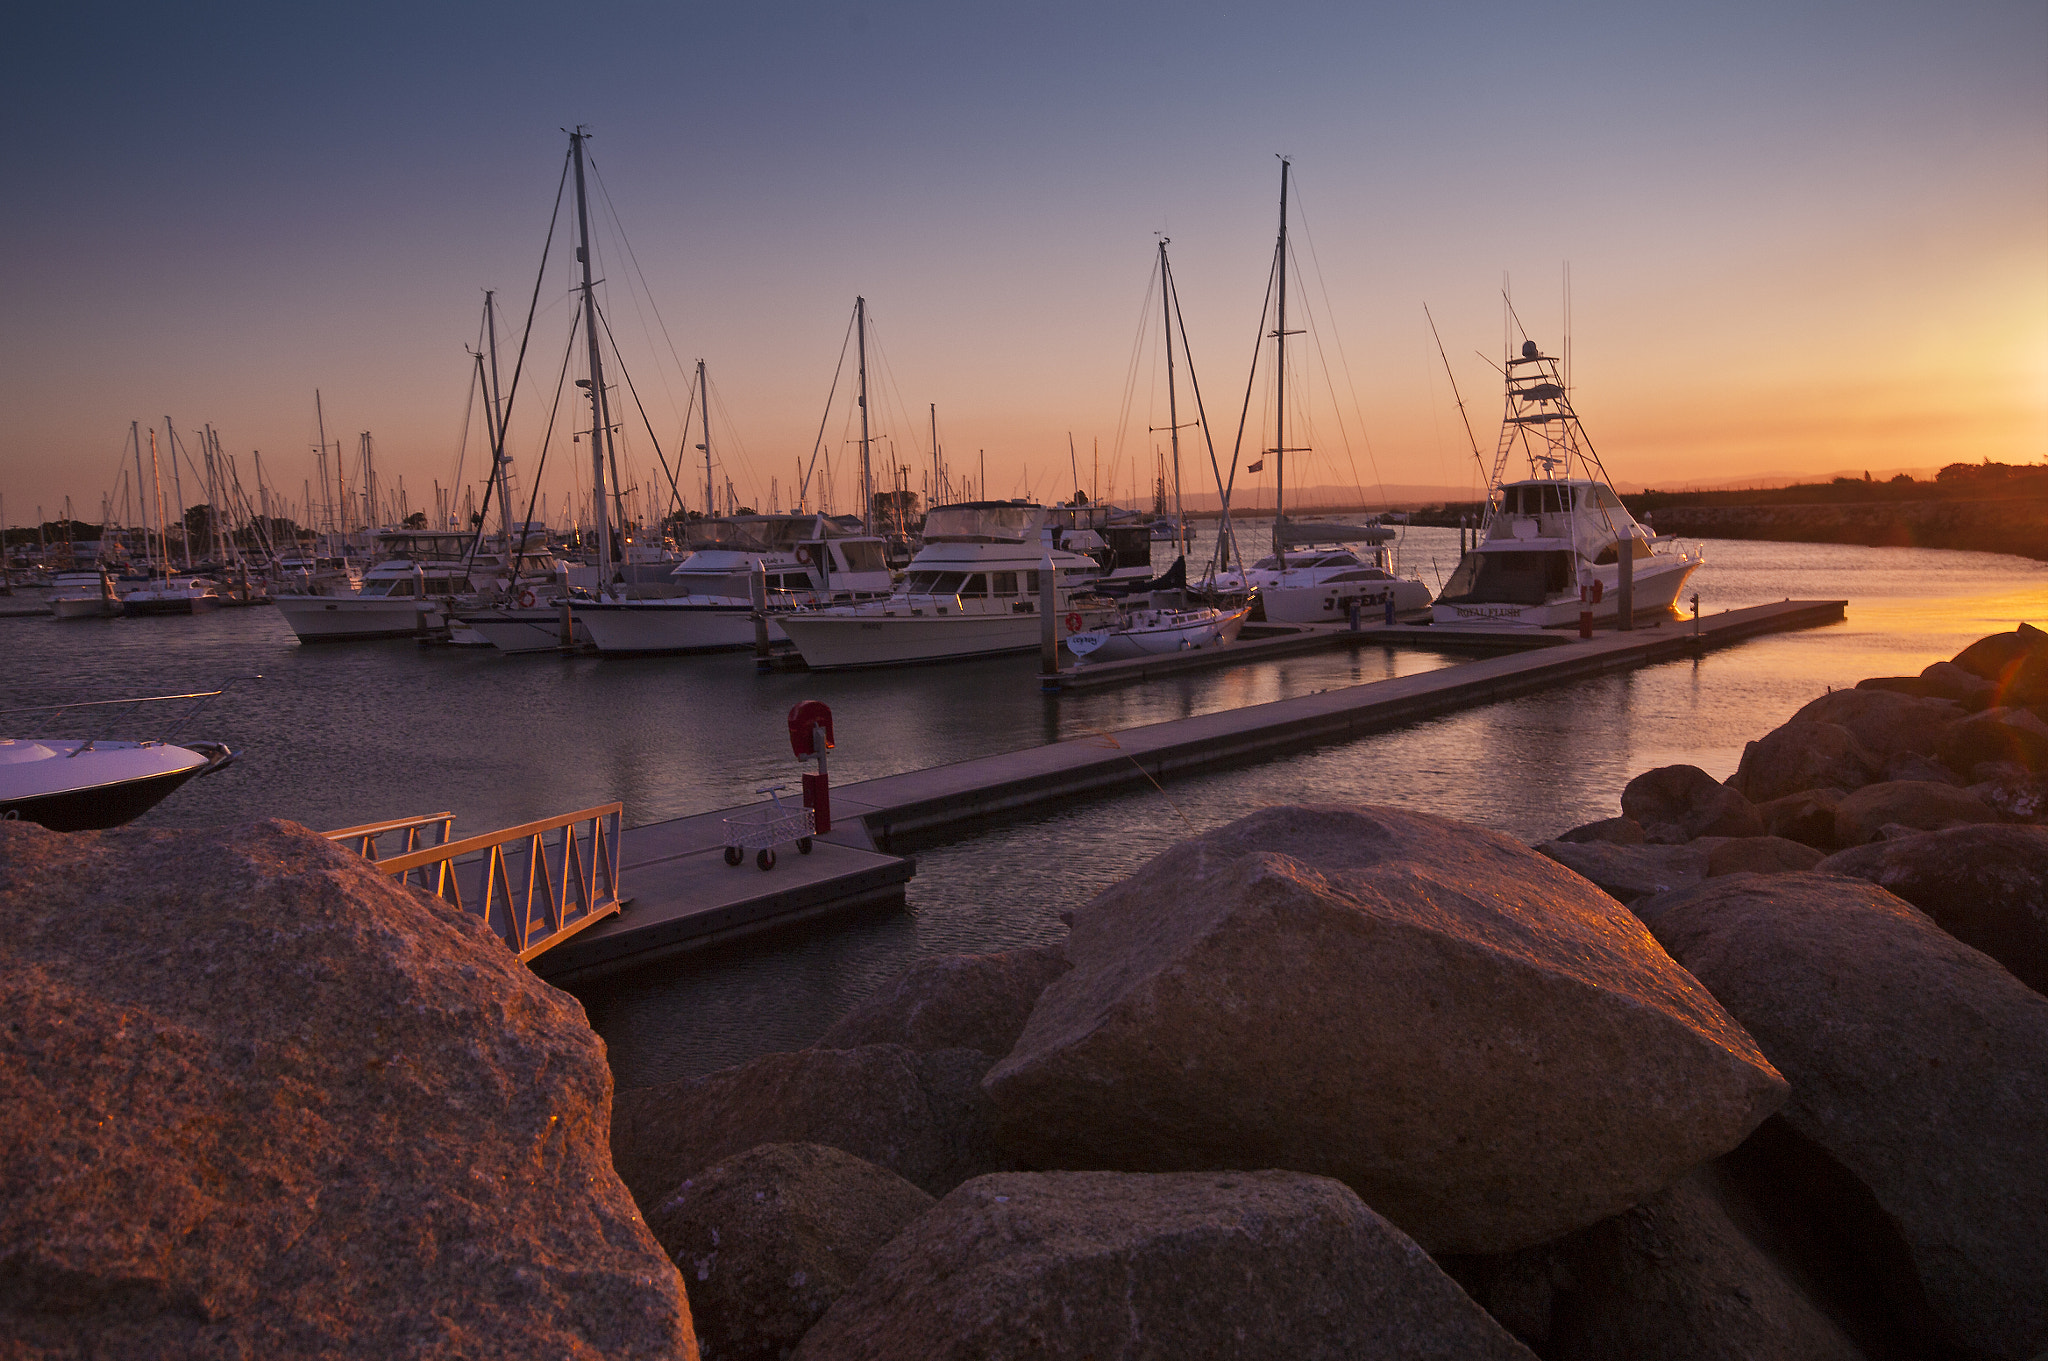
(461, 449)
(1343, 358)
(626, 374)
(633, 257)
(732, 436)
(541, 467)
(1251, 378)
(1472, 439)
(1224, 531)
(1131, 369)
(1337, 408)
(831, 394)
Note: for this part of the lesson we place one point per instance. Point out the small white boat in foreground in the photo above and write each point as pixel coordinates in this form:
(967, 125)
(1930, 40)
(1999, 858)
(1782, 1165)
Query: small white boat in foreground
(1152, 632)
(73, 784)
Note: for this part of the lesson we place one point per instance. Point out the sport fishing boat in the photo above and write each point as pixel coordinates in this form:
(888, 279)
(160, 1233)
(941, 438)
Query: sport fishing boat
(80, 784)
(1551, 544)
(972, 590)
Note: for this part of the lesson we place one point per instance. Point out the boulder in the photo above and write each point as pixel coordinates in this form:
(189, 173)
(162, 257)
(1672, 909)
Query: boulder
(768, 1239)
(1807, 817)
(1883, 723)
(1803, 755)
(2016, 664)
(1677, 1278)
(1898, 685)
(1916, 1063)
(1099, 1264)
(1630, 872)
(1485, 1047)
(1986, 886)
(1760, 855)
(1946, 680)
(953, 1002)
(1674, 804)
(2005, 734)
(263, 1101)
(1619, 831)
(1918, 804)
(1911, 765)
(922, 1116)
(2014, 797)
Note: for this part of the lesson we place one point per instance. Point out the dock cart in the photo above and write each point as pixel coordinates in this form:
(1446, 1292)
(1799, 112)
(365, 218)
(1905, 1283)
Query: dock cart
(763, 828)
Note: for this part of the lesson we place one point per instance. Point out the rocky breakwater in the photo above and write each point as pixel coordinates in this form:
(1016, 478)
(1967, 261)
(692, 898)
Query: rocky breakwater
(261, 1101)
(1868, 896)
(1265, 1090)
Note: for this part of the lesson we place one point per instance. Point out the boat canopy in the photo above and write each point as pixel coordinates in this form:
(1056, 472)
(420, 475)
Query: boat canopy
(983, 522)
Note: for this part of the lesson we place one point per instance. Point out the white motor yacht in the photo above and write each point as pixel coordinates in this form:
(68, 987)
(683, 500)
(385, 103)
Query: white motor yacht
(84, 595)
(972, 590)
(1550, 546)
(71, 784)
(802, 561)
(412, 589)
(1320, 575)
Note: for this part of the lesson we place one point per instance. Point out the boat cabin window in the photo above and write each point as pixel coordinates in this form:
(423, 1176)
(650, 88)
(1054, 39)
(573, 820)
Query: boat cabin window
(1612, 554)
(1545, 499)
(934, 583)
(1509, 578)
(1005, 583)
(1266, 565)
(977, 586)
(1605, 499)
(863, 556)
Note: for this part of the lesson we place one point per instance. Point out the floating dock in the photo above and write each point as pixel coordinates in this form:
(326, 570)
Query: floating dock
(684, 895)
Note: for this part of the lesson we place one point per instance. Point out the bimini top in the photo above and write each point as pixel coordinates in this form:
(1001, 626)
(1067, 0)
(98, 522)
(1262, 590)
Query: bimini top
(984, 522)
(1295, 533)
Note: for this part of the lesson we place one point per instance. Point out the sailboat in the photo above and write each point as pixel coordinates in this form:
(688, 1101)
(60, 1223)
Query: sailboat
(1550, 544)
(165, 594)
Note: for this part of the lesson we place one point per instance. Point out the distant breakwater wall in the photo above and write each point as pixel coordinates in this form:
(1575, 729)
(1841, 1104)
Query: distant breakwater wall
(2017, 526)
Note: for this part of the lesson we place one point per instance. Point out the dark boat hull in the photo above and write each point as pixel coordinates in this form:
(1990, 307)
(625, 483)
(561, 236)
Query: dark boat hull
(101, 806)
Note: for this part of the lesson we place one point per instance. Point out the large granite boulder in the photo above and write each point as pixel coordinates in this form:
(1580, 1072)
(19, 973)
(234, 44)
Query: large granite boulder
(1630, 872)
(1917, 1064)
(1987, 886)
(1100, 1264)
(1919, 804)
(2016, 664)
(1884, 724)
(1760, 855)
(1946, 680)
(1675, 804)
(1807, 817)
(769, 1238)
(1801, 755)
(1616, 831)
(921, 1115)
(1485, 1047)
(1677, 1278)
(2003, 734)
(262, 1101)
(953, 1002)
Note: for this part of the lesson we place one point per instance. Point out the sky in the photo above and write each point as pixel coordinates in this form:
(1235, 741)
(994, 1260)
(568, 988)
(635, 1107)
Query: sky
(1801, 238)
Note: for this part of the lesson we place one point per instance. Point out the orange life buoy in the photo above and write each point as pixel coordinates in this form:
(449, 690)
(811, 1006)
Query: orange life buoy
(526, 598)
(1073, 623)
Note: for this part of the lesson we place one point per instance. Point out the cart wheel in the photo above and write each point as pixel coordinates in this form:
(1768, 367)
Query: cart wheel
(765, 858)
(803, 845)
(733, 855)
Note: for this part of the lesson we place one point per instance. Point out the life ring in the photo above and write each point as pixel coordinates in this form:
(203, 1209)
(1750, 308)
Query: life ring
(1073, 623)
(526, 598)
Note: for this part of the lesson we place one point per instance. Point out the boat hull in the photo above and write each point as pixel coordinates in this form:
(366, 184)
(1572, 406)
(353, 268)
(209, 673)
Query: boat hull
(1656, 582)
(833, 640)
(340, 619)
(1130, 644)
(178, 604)
(42, 782)
(1330, 602)
(528, 630)
(659, 628)
(90, 607)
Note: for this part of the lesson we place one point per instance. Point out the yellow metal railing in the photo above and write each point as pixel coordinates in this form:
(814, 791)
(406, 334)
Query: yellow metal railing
(535, 885)
(364, 838)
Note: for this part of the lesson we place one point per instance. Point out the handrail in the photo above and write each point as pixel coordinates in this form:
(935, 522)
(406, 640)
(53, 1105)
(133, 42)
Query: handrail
(366, 835)
(533, 897)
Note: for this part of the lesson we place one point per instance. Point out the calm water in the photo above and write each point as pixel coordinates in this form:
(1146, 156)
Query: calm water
(344, 734)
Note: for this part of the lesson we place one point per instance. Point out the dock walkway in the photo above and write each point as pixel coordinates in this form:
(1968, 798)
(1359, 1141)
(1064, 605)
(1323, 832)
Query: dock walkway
(685, 896)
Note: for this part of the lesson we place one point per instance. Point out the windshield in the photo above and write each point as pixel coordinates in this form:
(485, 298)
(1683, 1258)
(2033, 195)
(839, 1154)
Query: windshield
(982, 523)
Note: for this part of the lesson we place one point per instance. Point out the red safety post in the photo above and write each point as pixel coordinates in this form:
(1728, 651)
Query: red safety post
(810, 737)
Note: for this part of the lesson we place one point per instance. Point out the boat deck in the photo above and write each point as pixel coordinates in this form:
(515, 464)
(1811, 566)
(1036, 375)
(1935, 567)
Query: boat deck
(685, 896)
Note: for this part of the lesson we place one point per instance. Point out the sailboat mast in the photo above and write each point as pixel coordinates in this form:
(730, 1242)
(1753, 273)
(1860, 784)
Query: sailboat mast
(1280, 387)
(156, 479)
(178, 489)
(867, 476)
(704, 416)
(935, 453)
(1180, 524)
(498, 457)
(600, 428)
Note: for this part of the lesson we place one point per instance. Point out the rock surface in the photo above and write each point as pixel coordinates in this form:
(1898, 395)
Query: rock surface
(1677, 1278)
(1986, 886)
(262, 1101)
(2005, 734)
(1807, 817)
(1760, 855)
(2016, 664)
(1618, 831)
(768, 1239)
(1103, 1264)
(1803, 755)
(1916, 1063)
(1946, 680)
(1490, 1051)
(1675, 804)
(922, 1116)
(1630, 872)
(1884, 724)
(1919, 804)
(953, 1002)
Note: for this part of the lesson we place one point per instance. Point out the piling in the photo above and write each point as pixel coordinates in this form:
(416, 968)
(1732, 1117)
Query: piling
(1048, 605)
(1625, 594)
(757, 588)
